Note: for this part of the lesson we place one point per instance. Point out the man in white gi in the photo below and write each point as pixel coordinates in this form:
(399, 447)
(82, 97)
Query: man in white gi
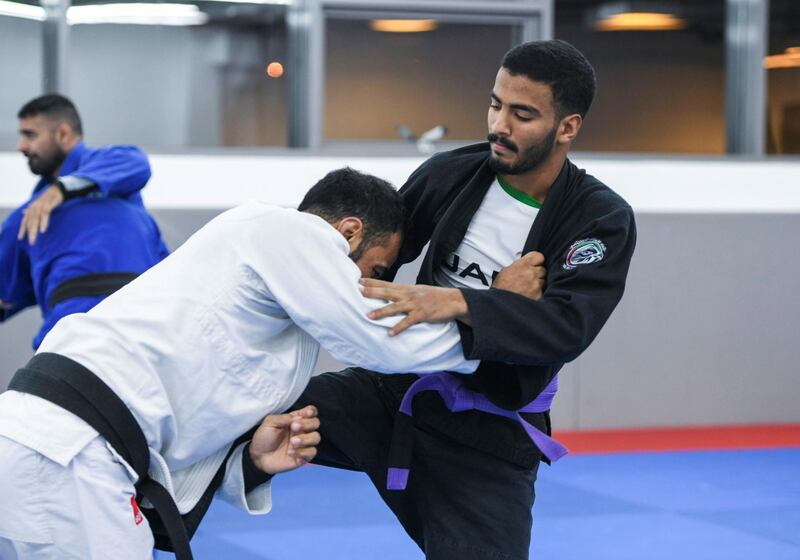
(199, 349)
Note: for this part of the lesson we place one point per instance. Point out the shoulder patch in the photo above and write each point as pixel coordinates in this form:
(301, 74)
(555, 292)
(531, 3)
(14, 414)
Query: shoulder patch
(585, 251)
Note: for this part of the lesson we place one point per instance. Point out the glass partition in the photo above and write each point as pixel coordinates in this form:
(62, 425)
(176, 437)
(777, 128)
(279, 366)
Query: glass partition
(661, 81)
(203, 82)
(783, 78)
(221, 73)
(397, 85)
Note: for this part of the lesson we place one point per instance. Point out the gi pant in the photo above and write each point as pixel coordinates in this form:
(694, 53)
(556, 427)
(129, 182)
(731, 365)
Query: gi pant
(81, 511)
(460, 503)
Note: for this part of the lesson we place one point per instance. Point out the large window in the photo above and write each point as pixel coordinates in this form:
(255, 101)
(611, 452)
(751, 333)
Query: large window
(390, 85)
(783, 83)
(163, 76)
(317, 73)
(201, 84)
(661, 82)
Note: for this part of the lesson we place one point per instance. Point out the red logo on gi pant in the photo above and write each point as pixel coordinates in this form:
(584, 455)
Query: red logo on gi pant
(137, 514)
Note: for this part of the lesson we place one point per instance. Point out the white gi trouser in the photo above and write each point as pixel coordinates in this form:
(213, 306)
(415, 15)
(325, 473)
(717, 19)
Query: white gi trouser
(82, 511)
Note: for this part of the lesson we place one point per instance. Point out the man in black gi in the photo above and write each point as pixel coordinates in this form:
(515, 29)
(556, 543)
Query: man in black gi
(497, 216)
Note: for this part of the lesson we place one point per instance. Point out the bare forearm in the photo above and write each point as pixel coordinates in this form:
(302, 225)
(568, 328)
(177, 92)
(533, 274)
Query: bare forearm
(459, 309)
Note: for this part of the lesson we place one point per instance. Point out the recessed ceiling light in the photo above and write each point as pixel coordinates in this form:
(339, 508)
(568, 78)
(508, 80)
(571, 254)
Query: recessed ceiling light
(137, 14)
(133, 13)
(24, 11)
(403, 25)
(641, 21)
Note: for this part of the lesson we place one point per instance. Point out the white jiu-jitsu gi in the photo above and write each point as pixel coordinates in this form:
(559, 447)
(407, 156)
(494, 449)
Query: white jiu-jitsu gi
(200, 348)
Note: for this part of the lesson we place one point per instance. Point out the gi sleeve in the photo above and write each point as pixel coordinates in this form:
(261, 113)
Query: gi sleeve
(228, 474)
(238, 485)
(418, 217)
(582, 292)
(305, 265)
(16, 283)
(119, 171)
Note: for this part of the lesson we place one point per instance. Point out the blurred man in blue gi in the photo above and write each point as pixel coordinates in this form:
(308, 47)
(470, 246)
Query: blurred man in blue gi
(84, 233)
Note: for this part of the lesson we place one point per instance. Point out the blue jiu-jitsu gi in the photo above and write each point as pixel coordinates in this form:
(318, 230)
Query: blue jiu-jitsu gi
(102, 233)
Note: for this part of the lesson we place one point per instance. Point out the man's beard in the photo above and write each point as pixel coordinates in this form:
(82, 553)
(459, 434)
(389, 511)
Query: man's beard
(529, 159)
(46, 165)
(356, 254)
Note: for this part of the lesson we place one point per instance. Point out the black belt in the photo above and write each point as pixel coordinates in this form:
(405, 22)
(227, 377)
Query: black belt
(74, 388)
(100, 284)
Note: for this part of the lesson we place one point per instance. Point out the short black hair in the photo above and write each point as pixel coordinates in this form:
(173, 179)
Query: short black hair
(55, 106)
(561, 66)
(346, 192)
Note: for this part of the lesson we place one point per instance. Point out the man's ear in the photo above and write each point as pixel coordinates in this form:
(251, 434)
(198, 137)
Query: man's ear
(569, 127)
(350, 227)
(63, 135)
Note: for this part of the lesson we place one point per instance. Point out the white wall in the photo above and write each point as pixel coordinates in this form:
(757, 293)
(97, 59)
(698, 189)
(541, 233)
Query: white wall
(648, 184)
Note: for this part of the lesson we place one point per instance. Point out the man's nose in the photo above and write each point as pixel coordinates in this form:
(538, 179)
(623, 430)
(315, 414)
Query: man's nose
(500, 124)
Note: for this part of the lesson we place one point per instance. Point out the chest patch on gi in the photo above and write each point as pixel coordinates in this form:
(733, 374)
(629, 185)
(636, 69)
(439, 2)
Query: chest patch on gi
(585, 251)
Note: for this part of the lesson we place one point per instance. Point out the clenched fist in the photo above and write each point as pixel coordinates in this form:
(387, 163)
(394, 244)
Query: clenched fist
(526, 276)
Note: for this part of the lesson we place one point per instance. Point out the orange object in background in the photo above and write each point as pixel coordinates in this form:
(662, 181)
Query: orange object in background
(275, 70)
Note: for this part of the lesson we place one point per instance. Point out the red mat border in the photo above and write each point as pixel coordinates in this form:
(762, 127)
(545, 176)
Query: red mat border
(710, 438)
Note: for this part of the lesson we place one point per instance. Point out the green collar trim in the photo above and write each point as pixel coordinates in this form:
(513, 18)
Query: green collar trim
(518, 194)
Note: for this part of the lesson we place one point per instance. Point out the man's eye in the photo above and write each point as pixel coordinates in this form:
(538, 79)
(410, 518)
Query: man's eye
(524, 118)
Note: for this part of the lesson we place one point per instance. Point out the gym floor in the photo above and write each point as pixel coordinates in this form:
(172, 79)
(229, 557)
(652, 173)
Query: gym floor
(706, 494)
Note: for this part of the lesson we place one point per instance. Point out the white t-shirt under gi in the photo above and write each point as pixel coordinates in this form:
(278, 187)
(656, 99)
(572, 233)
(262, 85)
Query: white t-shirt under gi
(494, 239)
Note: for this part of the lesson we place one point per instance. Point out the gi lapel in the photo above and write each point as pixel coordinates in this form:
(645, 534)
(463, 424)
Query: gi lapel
(545, 220)
(73, 160)
(452, 228)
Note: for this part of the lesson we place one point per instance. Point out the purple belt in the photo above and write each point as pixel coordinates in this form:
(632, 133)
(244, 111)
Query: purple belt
(458, 398)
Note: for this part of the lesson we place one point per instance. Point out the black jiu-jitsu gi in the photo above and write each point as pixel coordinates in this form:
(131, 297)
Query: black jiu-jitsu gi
(521, 343)
(471, 487)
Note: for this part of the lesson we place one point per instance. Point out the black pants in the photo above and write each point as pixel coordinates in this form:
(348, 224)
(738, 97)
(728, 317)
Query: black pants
(461, 503)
